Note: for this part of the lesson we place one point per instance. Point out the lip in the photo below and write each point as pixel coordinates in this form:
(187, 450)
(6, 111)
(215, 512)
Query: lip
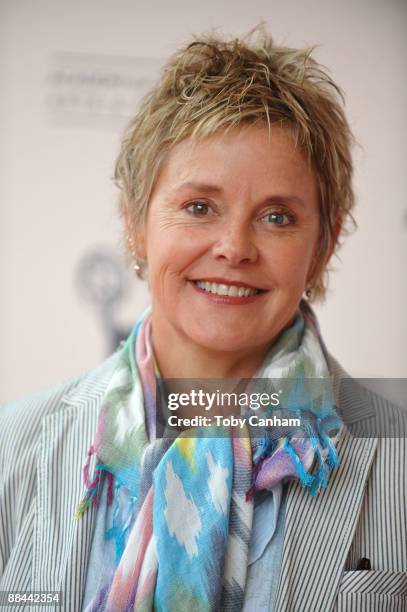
(225, 281)
(227, 300)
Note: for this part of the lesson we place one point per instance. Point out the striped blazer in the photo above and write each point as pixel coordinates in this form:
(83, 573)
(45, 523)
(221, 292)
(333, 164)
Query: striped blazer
(43, 445)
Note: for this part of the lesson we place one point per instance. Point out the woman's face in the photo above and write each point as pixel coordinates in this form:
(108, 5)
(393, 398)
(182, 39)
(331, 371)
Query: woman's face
(230, 238)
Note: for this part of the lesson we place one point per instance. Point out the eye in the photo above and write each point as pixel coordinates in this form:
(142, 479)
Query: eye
(198, 209)
(278, 218)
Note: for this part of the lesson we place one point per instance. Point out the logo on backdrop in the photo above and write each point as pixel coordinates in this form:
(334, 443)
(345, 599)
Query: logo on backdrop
(96, 90)
(102, 282)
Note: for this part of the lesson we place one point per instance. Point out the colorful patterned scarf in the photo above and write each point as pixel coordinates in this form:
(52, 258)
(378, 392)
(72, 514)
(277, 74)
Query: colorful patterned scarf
(182, 538)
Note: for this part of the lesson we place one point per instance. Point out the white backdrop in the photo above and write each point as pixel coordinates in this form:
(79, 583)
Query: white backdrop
(71, 73)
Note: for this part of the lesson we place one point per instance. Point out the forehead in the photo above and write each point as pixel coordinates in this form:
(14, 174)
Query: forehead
(248, 155)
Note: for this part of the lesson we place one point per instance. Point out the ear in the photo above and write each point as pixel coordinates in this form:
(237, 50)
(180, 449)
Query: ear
(136, 235)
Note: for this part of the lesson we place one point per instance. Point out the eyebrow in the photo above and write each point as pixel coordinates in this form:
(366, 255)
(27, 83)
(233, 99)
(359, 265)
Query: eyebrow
(217, 190)
(204, 187)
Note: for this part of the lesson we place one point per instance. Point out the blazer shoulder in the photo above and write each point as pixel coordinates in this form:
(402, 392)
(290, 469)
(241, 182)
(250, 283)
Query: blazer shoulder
(46, 400)
(364, 408)
(21, 420)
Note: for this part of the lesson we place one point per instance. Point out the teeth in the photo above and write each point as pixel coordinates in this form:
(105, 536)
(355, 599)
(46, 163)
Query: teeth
(229, 290)
(233, 291)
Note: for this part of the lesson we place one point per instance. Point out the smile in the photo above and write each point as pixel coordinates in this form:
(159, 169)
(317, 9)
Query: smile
(227, 290)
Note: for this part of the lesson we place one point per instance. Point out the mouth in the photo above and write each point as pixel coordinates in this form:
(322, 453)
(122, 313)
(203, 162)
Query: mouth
(227, 289)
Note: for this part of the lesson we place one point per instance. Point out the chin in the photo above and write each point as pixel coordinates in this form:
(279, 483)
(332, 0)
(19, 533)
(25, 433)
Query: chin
(221, 342)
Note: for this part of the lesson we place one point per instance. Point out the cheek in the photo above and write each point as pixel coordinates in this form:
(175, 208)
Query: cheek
(177, 244)
(289, 262)
(170, 254)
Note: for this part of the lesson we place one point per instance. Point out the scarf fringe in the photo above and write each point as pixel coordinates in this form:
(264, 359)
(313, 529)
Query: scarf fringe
(92, 495)
(305, 478)
(333, 457)
(314, 482)
(119, 529)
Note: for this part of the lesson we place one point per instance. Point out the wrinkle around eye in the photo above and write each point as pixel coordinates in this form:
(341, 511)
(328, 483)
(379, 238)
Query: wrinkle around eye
(185, 222)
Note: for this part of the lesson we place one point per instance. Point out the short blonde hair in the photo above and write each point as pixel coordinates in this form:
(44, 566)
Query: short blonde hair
(216, 84)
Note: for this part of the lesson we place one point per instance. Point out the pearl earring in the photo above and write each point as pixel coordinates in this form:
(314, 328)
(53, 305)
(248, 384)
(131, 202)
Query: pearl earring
(136, 265)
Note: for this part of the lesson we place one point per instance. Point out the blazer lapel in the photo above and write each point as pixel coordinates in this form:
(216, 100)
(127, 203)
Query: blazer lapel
(319, 530)
(79, 532)
(62, 543)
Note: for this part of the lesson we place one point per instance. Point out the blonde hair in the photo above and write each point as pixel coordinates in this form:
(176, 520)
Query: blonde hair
(216, 84)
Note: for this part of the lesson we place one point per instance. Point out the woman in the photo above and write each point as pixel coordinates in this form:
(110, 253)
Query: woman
(235, 180)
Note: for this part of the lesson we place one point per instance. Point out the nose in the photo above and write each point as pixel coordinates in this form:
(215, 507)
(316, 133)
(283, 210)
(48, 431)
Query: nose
(235, 245)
